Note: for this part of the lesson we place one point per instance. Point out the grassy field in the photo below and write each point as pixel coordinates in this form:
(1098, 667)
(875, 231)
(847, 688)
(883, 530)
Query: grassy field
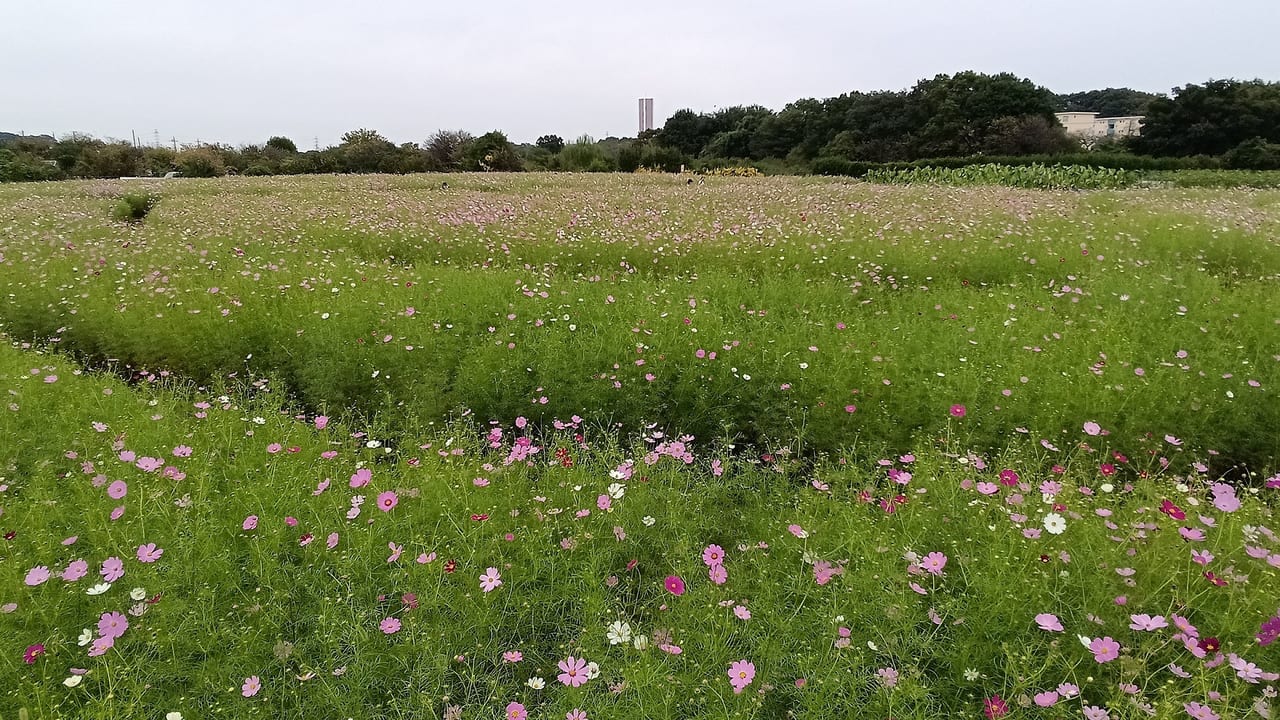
(768, 447)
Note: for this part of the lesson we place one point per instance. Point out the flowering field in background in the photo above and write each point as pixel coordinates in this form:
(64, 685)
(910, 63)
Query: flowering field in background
(598, 447)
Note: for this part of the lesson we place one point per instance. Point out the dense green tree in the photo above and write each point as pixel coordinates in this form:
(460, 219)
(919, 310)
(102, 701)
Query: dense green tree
(491, 151)
(200, 161)
(954, 113)
(1211, 119)
(1027, 135)
(282, 143)
(551, 143)
(445, 148)
(1111, 102)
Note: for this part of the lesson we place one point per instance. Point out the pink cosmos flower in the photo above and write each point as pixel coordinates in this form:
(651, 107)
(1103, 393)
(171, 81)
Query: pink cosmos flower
(718, 574)
(149, 464)
(1093, 712)
(1104, 649)
(1147, 623)
(182, 451)
(250, 523)
(888, 676)
(390, 626)
(1092, 428)
(604, 502)
(987, 488)
(112, 569)
(361, 478)
(117, 489)
(251, 686)
(798, 531)
(112, 625)
(76, 570)
(37, 575)
(322, 421)
(101, 645)
(670, 649)
(674, 584)
(934, 562)
(1049, 622)
(149, 553)
(387, 500)
(742, 613)
(713, 555)
(1202, 557)
(332, 541)
(573, 671)
(490, 580)
(1196, 711)
(575, 714)
(512, 656)
(117, 513)
(1046, 699)
(958, 411)
(741, 673)
(516, 711)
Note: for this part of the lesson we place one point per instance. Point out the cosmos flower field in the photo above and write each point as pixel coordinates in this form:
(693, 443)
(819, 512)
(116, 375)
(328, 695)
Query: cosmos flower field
(549, 446)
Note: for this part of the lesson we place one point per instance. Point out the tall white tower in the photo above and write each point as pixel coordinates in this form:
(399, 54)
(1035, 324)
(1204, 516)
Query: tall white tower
(646, 114)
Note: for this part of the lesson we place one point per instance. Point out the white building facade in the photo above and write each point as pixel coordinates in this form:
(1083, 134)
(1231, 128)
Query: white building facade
(646, 114)
(1089, 125)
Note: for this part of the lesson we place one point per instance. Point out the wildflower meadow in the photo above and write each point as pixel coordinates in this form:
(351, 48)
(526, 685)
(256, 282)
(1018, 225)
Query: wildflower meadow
(588, 447)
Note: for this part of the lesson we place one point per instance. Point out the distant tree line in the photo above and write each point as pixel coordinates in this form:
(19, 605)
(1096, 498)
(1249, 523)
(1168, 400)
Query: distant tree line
(1222, 123)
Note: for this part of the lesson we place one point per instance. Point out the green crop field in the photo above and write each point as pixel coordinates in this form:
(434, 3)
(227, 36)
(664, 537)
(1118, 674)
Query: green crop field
(624, 446)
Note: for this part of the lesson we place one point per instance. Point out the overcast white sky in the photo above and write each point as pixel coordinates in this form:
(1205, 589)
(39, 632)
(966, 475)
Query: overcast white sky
(239, 71)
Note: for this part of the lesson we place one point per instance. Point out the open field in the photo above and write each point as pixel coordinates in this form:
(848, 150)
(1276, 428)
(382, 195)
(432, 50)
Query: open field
(879, 433)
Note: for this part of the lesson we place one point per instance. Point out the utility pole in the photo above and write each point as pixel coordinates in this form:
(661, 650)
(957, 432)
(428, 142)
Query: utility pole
(175, 143)
(157, 139)
(134, 135)
(317, 142)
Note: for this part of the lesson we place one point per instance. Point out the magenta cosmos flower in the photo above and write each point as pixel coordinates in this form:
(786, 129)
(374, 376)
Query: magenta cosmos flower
(674, 584)
(741, 673)
(958, 411)
(994, 707)
(387, 500)
(32, 652)
(1105, 649)
(573, 671)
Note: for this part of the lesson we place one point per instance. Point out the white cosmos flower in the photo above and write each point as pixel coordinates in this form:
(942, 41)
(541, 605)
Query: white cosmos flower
(640, 642)
(536, 683)
(593, 670)
(86, 637)
(648, 520)
(619, 633)
(98, 589)
(1084, 640)
(138, 593)
(1054, 524)
(617, 490)
(73, 681)
(1107, 487)
(175, 715)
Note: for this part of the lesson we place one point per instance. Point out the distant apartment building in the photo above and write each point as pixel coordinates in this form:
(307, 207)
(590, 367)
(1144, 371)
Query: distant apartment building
(646, 114)
(1089, 125)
